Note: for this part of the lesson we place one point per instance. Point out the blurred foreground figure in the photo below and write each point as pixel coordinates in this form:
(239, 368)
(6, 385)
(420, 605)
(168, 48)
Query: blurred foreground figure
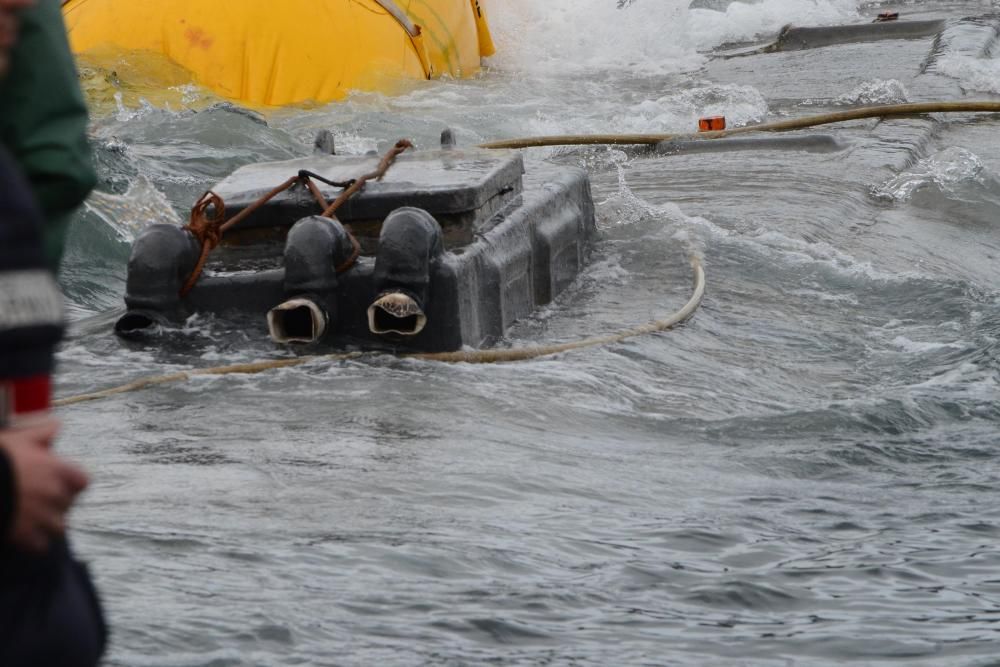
(49, 612)
(43, 116)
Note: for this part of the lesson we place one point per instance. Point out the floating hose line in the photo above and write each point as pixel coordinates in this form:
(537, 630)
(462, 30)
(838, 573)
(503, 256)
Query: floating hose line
(490, 356)
(883, 111)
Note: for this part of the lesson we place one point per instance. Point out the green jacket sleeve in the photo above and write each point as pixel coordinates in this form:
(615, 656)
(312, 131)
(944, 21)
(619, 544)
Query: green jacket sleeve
(43, 121)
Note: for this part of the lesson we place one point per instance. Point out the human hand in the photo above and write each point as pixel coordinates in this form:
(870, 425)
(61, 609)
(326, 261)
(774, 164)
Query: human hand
(9, 28)
(45, 484)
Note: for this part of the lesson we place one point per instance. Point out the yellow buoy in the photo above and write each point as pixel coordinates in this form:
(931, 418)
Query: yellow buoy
(269, 53)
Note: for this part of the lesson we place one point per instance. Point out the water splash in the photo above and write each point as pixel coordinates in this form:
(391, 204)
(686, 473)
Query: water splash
(877, 91)
(948, 170)
(128, 214)
(133, 82)
(680, 111)
(973, 73)
(712, 24)
(125, 113)
(567, 36)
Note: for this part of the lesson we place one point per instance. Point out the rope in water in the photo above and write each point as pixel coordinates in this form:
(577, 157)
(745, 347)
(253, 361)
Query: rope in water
(461, 356)
(884, 111)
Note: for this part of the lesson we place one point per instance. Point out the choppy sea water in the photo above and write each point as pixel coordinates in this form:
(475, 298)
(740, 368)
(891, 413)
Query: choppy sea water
(803, 474)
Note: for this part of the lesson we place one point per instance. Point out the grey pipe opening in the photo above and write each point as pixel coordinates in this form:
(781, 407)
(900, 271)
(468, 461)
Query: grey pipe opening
(409, 244)
(136, 323)
(297, 321)
(396, 312)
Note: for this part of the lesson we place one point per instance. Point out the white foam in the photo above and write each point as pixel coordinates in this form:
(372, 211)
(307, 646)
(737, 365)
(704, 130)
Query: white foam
(79, 354)
(680, 111)
(974, 383)
(608, 271)
(800, 252)
(947, 169)
(746, 21)
(125, 114)
(973, 73)
(630, 209)
(877, 91)
(826, 296)
(921, 347)
(566, 36)
(190, 93)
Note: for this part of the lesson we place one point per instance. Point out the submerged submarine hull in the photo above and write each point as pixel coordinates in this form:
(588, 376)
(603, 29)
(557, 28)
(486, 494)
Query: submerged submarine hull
(455, 246)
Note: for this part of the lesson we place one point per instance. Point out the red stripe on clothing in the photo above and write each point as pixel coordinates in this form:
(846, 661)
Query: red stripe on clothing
(31, 394)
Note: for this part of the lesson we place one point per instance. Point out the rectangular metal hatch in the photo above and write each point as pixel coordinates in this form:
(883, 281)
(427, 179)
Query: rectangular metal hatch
(450, 184)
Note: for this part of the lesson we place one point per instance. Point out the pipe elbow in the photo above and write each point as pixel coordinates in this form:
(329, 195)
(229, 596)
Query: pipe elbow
(314, 248)
(162, 258)
(409, 244)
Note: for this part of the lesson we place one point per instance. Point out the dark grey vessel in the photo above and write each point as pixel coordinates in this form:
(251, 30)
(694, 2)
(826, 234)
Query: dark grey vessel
(455, 245)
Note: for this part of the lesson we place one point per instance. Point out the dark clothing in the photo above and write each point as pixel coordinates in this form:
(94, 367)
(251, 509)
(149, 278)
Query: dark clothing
(31, 318)
(43, 121)
(6, 496)
(49, 613)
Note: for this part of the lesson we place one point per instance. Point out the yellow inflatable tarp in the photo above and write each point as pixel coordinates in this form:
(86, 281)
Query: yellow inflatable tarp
(268, 53)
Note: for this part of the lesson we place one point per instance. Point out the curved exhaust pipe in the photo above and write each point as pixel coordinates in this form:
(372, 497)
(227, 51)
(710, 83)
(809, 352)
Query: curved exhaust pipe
(138, 323)
(408, 247)
(161, 260)
(314, 248)
(297, 320)
(396, 312)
